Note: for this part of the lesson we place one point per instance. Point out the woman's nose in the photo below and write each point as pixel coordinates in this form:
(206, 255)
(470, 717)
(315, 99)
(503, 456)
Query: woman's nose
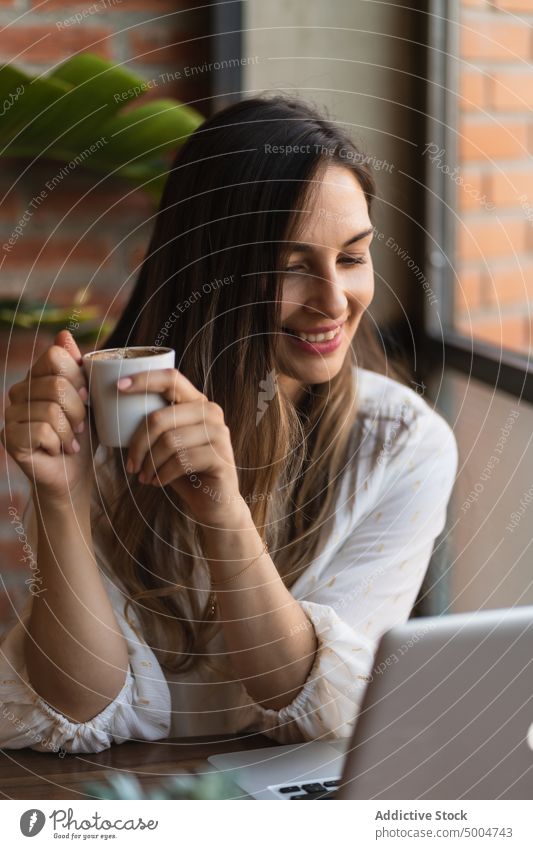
(326, 294)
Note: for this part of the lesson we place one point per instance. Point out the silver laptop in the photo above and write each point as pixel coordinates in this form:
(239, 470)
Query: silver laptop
(448, 714)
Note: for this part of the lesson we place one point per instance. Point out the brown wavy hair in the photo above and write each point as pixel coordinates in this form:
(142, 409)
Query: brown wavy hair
(209, 287)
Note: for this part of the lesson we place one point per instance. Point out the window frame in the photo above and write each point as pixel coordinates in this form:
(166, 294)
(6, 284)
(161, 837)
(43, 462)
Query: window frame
(227, 23)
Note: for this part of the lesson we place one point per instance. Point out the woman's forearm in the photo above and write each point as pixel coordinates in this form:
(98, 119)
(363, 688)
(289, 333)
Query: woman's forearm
(271, 642)
(76, 655)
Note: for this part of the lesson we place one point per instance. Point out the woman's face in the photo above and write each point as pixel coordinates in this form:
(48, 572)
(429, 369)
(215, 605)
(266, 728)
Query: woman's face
(328, 282)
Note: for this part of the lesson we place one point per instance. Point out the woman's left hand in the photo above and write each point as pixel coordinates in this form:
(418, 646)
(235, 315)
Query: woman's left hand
(186, 445)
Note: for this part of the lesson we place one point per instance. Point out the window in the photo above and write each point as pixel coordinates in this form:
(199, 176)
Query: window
(480, 178)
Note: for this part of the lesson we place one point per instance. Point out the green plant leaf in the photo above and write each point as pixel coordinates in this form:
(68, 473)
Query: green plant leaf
(83, 90)
(76, 114)
(94, 88)
(146, 131)
(26, 103)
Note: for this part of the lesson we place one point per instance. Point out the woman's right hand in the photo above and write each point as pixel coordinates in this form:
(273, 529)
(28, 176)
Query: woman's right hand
(47, 430)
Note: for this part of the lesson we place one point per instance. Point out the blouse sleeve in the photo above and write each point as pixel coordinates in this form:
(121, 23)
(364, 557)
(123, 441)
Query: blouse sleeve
(371, 584)
(140, 711)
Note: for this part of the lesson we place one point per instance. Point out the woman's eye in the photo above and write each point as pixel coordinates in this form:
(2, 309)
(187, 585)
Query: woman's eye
(345, 260)
(352, 260)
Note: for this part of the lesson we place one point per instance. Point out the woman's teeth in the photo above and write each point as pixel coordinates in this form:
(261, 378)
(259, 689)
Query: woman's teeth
(317, 337)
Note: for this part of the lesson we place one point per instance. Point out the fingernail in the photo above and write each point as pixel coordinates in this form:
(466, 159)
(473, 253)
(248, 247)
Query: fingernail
(83, 394)
(75, 445)
(129, 466)
(79, 428)
(124, 382)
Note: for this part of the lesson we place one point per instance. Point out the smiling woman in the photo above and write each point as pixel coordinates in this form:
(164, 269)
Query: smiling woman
(229, 571)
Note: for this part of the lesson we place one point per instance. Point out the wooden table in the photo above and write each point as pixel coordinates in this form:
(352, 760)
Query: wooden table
(27, 774)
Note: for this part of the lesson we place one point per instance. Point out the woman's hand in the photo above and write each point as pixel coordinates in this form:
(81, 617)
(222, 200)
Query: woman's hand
(46, 430)
(186, 445)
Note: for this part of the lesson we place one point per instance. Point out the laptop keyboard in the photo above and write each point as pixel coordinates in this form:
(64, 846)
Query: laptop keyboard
(311, 790)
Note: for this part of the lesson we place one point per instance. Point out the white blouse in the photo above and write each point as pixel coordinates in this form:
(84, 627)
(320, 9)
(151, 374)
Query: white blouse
(364, 582)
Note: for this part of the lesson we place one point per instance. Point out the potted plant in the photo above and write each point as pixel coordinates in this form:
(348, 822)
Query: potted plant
(83, 111)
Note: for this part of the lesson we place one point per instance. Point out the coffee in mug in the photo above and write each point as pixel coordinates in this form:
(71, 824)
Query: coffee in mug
(116, 414)
(125, 353)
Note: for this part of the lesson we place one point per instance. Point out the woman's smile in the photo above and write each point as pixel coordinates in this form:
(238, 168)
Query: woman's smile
(318, 343)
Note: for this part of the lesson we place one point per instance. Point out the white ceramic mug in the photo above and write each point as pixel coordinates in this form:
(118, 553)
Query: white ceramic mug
(116, 414)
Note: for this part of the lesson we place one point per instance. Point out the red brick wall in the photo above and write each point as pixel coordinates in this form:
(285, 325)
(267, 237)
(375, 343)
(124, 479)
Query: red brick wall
(82, 234)
(495, 143)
